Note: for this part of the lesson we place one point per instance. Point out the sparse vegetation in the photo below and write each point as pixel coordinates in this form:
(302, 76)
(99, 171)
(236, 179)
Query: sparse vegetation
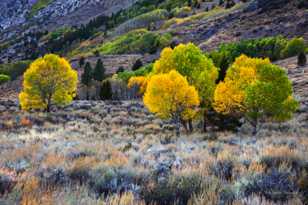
(4, 78)
(138, 41)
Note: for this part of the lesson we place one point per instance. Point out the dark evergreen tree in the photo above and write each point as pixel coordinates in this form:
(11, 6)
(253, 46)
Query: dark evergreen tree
(99, 71)
(138, 64)
(81, 62)
(120, 69)
(106, 90)
(86, 77)
(301, 59)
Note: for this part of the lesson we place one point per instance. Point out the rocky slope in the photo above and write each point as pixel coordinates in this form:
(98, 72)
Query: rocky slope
(57, 12)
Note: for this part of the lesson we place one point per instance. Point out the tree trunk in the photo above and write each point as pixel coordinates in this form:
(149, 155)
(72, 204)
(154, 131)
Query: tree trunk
(204, 120)
(184, 123)
(48, 104)
(177, 122)
(191, 128)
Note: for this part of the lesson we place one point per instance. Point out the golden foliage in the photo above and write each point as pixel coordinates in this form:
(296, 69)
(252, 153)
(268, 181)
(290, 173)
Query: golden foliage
(49, 80)
(170, 94)
(140, 81)
(190, 62)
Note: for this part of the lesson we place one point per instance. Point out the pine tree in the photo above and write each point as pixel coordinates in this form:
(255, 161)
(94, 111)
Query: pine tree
(106, 90)
(86, 77)
(99, 71)
(138, 64)
(120, 69)
(81, 61)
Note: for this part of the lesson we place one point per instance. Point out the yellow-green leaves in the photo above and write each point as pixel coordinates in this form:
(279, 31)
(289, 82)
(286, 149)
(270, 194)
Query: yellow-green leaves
(50, 80)
(257, 88)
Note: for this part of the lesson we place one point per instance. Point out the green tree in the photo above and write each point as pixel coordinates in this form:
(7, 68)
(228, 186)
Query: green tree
(99, 71)
(86, 77)
(271, 95)
(294, 47)
(138, 64)
(200, 71)
(50, 80)
(106, 90)
(257, 89)
(81, 61)
(4, 78)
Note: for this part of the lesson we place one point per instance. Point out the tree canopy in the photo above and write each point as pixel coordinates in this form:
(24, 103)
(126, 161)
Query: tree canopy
(170, 96)
(50, 80)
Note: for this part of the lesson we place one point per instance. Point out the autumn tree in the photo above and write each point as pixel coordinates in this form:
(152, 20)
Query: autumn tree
(99, 71)
(170, 96)
(50, 80)
(200, 71)
(140, 81)
(256, 88)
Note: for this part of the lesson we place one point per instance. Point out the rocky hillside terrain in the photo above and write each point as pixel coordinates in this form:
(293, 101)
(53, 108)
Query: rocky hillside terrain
(55, 13)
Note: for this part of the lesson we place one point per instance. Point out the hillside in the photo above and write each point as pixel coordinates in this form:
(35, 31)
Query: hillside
(153, 102)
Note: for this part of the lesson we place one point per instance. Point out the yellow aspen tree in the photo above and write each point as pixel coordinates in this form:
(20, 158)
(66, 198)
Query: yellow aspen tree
(50, 80)
(170, 96)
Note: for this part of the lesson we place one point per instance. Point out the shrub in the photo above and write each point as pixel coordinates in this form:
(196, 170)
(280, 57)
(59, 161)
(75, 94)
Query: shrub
(143, 71)
(4, 79)
(40, 4)
(137, 41)
(106, 180)
(172, 190)
(223, 169)
(14, 70)
(138, 64)
(301, 59)
(294, 47)
(6, 184)
(50, 80)
(275, 186)
(181, 12)
(274, 157)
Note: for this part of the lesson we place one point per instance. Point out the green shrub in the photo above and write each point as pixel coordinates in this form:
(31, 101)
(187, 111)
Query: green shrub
(138, 64)
(274, 48)
(143, 71)
(137, 41)
(269, 47)
(4, 78)
(181, 12)
(173, 190)
(40, 4)
(294, 47)
(14, 70)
